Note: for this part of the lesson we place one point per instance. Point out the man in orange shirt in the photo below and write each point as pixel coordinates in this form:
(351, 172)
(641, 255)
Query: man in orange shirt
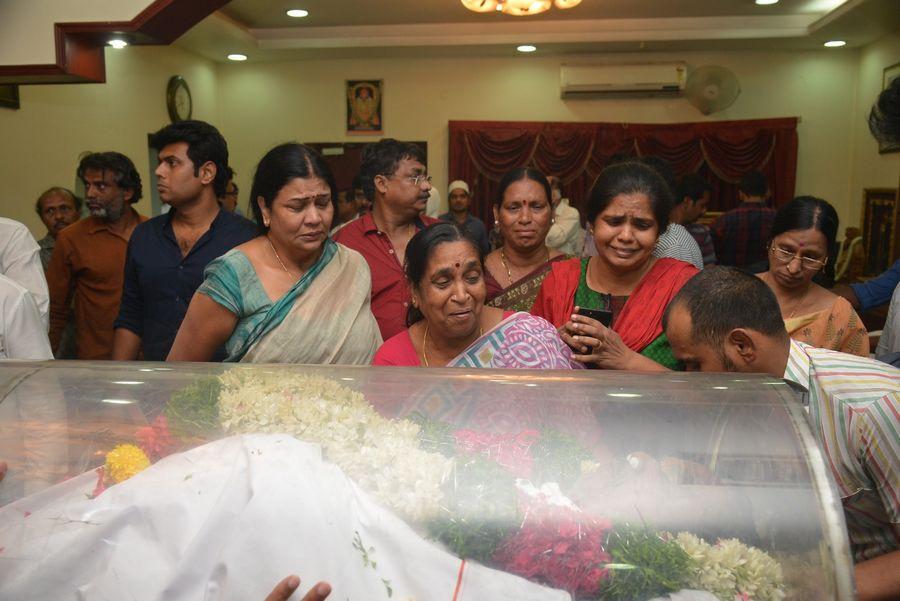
(88, 263)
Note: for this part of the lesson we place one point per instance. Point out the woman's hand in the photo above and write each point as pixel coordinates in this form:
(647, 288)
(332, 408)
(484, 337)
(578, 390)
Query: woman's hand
(595, 343)
(284, 589)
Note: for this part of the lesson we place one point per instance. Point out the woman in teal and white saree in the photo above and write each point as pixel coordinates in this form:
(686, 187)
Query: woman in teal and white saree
(291, 295)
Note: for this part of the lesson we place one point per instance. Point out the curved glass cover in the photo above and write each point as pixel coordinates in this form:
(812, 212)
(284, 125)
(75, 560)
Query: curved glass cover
(189, 481)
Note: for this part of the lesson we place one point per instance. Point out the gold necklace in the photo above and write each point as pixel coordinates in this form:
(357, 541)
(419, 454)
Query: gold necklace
(506, 265)
(425, 341)
(283, 266)
(802, 298)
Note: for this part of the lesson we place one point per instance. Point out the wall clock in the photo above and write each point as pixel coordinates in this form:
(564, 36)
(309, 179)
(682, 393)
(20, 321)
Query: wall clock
(178, 99)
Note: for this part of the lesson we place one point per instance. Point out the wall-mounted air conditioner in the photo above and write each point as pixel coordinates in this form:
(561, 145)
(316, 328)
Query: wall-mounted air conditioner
(646, 79)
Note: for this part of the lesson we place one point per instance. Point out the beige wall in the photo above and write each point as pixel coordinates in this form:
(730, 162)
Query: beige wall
(263, 104)
(40, 143)
(259, 105)
(26, 26)
(870, 169)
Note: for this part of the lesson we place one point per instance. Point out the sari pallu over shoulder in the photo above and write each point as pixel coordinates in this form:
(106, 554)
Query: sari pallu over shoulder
(326, 318)
(520, 295)
(520, 341)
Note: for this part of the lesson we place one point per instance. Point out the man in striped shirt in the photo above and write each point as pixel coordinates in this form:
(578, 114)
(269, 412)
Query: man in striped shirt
(725, 320)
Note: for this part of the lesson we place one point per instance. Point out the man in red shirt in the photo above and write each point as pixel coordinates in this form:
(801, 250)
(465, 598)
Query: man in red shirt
(394, 174)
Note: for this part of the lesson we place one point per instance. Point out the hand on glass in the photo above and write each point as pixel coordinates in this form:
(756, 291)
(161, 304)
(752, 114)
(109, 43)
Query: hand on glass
(593, 342)
(284, 589)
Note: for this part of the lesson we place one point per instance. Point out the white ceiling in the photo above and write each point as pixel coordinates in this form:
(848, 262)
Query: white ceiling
(404, 28)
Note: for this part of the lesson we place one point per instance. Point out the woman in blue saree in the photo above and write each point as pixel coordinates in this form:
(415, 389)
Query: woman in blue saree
(290, 295)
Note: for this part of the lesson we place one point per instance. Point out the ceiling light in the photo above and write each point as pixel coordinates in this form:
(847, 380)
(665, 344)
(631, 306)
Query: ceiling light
(526, 48)
(117, 401)
(518, 8)
(298, 13)
(237, 57)
(766, 2)
(118, 44)
(835, 43)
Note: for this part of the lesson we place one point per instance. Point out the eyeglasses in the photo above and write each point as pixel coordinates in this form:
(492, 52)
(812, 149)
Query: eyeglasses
(784, 256)
(418, 179)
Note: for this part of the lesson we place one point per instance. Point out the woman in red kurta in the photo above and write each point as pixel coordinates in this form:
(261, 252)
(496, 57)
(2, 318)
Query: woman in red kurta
(628, 208)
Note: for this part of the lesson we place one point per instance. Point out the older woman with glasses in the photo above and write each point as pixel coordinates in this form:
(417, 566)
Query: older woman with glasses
(802, 242)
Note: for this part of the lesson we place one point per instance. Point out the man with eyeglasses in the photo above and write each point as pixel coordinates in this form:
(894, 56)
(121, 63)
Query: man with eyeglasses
(229, 200)
(393, 173)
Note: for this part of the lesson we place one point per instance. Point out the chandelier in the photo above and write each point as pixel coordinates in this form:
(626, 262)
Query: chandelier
(517, 7)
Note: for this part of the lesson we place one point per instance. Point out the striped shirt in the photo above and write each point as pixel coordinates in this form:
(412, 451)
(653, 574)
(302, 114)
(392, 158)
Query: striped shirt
(854, 411)
(677, 243)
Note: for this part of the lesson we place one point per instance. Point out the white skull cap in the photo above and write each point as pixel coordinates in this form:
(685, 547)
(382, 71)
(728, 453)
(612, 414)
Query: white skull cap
(458, 185)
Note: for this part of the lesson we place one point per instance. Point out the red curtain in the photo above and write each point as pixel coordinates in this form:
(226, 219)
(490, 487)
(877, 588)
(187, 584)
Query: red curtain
(482, 151)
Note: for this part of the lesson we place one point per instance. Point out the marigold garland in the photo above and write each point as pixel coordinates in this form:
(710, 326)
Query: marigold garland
(125, 461)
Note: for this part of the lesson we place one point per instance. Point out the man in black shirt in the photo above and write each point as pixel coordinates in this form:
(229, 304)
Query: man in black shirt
(167, 254)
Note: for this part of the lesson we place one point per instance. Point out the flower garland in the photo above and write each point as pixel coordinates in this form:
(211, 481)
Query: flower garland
(465, 486)
(382, 456)
(730, 569)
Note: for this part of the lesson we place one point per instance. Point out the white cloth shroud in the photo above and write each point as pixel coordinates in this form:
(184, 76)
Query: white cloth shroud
(228, 520)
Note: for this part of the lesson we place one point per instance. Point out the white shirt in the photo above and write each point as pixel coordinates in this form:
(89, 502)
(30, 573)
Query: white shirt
(433, 206)
(23, 334)
(20, 261)
(677, 243)
(565, 233)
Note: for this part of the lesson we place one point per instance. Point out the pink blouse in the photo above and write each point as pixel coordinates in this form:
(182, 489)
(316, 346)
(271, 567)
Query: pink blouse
(398, 350)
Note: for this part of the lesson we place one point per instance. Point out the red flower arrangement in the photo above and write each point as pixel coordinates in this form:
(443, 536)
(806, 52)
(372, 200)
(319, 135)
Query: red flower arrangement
(156, 440)
(511, 451)
(558, 546)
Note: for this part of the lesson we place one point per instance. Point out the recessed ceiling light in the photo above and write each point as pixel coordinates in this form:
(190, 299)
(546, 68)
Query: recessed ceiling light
(237, 57)
(526, 48)
(298, 13)
(766, 2)
(835, 43)
(118, 44)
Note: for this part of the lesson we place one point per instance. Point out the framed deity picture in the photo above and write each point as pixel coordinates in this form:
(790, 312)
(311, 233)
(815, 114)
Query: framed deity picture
(890, 74)
(879, 233)
(364, 107)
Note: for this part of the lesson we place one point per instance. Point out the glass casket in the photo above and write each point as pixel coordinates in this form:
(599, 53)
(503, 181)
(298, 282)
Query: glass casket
(208, 481)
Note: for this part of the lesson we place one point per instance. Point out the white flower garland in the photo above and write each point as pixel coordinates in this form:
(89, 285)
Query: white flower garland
(382, 456)
(730, 568)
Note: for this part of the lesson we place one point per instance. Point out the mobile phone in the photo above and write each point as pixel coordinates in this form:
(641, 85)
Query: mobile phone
(602, 315)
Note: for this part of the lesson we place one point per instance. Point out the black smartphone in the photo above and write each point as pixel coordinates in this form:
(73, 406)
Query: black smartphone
(601, 315)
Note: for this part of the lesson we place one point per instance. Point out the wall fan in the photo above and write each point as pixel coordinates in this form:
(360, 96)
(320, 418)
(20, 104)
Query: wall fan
(712, 88)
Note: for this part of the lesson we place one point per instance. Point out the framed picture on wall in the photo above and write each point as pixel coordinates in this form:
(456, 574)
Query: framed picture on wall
(9, 96)
(890, 74)
(879, 222)
(364, 99)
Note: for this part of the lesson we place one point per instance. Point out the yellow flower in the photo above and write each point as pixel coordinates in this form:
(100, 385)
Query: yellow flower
(124, 461)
